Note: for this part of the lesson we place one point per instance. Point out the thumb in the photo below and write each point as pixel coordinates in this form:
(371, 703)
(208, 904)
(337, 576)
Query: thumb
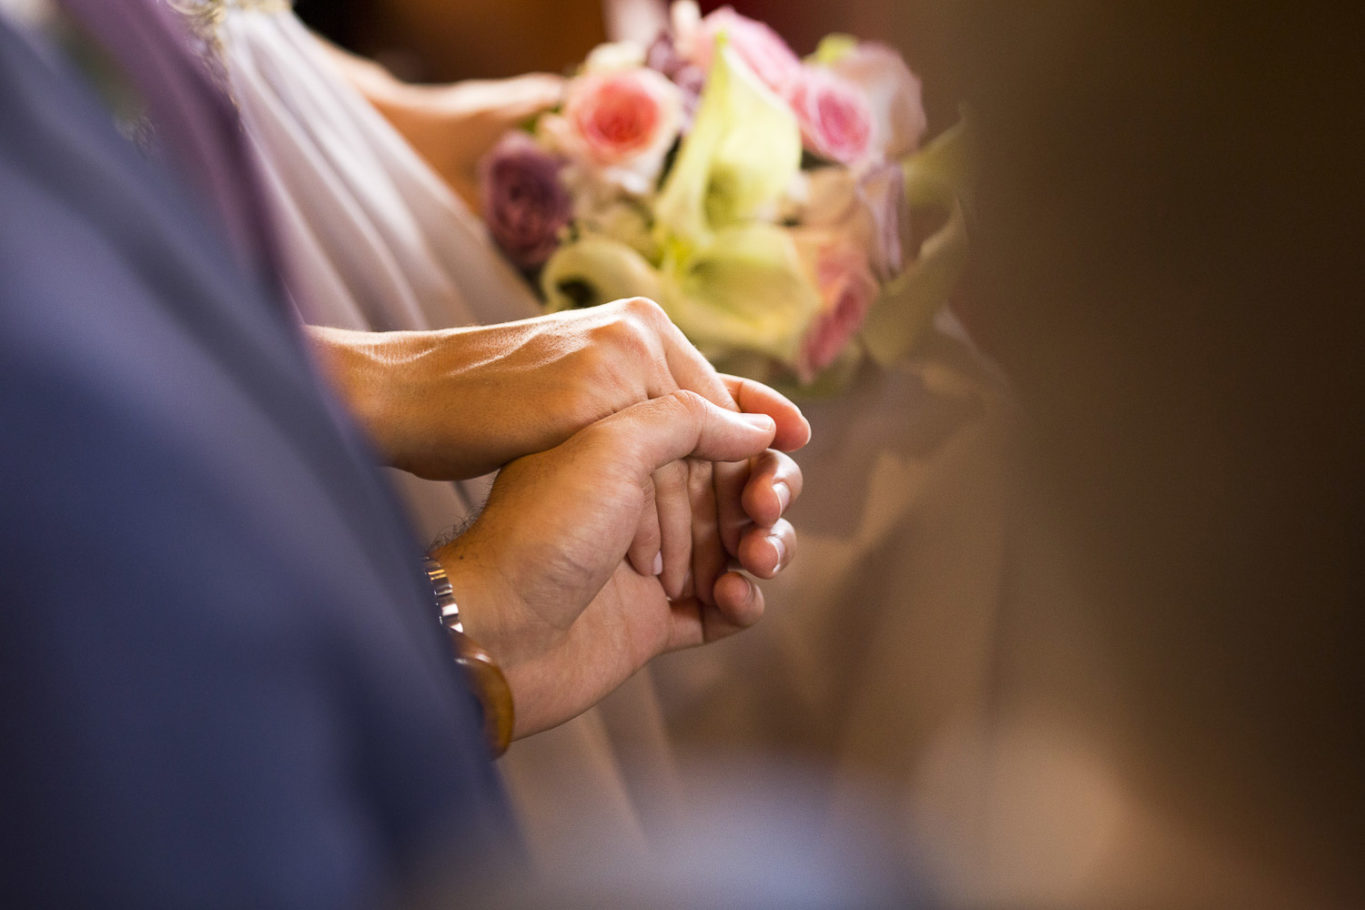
(651, 434)
(793, 430)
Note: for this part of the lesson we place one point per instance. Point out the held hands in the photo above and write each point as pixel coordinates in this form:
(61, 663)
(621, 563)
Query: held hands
(542, 578)
(461, 402)
(634, 480)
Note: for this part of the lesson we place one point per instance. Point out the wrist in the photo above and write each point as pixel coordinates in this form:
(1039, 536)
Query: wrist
(486, 678)
(487, 605)
(495, 614)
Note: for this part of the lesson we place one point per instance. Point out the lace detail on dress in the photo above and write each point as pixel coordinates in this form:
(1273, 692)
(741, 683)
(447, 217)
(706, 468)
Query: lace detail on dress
(205, 17)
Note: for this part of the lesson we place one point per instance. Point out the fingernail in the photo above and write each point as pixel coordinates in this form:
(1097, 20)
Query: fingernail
(759, 422)
(659, 563)
(784, 496)
(779, 549)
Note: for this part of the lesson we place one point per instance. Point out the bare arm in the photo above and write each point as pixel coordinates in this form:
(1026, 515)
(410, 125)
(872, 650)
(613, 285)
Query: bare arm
(450, 126)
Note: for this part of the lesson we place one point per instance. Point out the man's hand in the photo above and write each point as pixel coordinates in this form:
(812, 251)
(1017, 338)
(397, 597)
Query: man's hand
(542, 579)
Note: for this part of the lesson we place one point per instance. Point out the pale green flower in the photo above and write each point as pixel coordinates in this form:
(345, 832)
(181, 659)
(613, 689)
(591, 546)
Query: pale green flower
(744, 289)
(833, 48)
(743, 151)
(594, 270)
(937, 177)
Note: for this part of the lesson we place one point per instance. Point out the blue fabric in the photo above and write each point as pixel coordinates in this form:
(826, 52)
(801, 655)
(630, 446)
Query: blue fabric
(221, 680)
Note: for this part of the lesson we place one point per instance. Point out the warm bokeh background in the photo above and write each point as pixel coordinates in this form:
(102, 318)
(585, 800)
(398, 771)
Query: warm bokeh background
(1166, 262)
(436, 40)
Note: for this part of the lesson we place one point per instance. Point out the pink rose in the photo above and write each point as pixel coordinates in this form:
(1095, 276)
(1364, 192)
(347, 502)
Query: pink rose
(623, 116)
(761, 48)
(893, 93)
(664, 57)
(835, 118)
(882, 189)
(847, 289)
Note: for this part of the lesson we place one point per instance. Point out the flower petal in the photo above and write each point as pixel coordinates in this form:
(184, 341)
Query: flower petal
(742, 152)
(746, 290)
(596, 270)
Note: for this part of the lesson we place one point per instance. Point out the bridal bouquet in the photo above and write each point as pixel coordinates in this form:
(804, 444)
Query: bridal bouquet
(762, 200)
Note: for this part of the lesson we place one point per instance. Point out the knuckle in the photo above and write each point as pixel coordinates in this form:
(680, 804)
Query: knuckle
(644, 309)
(691, 405)
(699, 478)
(623, 339)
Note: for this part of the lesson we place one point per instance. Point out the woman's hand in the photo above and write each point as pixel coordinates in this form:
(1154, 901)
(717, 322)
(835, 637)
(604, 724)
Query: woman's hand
(457, 403)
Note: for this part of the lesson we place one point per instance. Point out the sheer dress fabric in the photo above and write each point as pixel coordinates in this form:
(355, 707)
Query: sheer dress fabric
(372, 239)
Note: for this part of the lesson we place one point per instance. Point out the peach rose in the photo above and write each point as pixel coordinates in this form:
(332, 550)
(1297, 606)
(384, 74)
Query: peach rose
(622, 117)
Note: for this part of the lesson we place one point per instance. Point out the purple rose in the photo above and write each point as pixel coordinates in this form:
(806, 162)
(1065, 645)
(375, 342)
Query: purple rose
(690, 79)
(525, 204)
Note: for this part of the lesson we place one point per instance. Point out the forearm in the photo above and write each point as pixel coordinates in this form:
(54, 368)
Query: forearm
(372, 80)
(451, 126)
(377, 375)
(449, 404)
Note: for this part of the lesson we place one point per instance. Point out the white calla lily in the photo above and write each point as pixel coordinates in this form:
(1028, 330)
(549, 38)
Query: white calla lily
(742, 152)
(746, 289)
(595, 270)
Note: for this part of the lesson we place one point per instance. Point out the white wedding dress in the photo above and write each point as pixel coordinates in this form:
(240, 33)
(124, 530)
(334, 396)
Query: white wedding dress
(876, 652)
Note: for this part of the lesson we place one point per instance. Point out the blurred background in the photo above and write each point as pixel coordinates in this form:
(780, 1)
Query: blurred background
(439, 41)
(1167, 702)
